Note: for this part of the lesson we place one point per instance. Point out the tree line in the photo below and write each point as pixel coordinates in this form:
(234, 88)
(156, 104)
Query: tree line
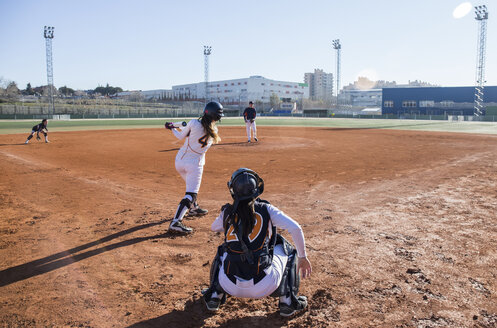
(10, 90)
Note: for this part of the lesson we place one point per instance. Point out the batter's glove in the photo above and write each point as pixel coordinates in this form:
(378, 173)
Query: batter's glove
(169, 125)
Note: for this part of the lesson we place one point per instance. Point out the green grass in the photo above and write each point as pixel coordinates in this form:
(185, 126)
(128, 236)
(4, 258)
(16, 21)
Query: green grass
(24, 126)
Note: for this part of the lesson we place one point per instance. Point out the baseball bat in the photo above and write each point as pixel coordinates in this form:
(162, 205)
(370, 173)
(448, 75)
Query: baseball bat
(179, 124)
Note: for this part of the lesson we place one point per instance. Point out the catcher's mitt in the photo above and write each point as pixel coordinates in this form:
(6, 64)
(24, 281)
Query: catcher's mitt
(38, 138)
(169, 125)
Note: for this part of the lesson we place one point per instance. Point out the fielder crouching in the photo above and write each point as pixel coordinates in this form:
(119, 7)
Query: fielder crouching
(254, 261)
(42, 127)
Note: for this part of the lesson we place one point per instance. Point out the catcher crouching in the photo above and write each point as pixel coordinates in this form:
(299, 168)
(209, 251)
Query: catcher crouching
(255, 261)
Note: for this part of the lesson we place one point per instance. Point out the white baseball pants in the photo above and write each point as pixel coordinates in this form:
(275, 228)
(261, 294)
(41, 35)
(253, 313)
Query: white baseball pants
(251, 126)
(191, 173)
(265, 287)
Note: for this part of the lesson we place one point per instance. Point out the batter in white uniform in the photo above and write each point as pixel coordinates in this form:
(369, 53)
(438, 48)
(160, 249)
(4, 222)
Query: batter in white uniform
(251, 263)
(199, 135)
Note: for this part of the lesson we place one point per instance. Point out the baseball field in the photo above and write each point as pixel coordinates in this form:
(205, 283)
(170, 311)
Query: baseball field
(400, 220)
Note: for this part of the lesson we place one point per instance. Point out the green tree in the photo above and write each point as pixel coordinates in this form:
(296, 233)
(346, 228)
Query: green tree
(29, 90)
(107, 90)
(274, 100)
(66, 91)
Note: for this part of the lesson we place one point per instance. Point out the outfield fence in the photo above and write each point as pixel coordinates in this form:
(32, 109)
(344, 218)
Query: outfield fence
(192, 109)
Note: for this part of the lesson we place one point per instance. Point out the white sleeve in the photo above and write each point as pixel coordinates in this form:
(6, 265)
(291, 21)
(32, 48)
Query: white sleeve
(181, 134)
(283, 221)
(217, 225)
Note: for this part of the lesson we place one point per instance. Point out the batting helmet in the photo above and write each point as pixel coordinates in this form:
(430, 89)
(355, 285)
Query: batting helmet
(245, 184)
(213, 111)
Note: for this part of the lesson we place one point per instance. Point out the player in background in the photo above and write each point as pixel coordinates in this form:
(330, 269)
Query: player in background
(42, 127)
(249, 115)
(199, 135)
(255, 261)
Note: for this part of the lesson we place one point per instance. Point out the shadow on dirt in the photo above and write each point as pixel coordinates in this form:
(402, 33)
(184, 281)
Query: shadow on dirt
(59, 260)
(390, 126)
(217, 145)
(14, 144)
(195, 313)
(192, 316)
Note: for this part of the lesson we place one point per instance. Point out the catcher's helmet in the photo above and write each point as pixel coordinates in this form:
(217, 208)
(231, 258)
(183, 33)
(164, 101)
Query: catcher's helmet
(213, 111)
(245, 184)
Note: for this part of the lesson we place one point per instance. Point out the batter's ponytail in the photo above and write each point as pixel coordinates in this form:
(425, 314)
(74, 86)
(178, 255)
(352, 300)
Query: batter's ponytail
(210, 128)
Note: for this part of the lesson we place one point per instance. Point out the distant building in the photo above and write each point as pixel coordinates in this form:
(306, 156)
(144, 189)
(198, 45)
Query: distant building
(320, 84)
(367, 93)
(254, 88)
(363, 83)
(434, 100)
(361, 98)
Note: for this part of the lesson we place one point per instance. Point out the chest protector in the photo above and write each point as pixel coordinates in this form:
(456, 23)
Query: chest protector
(247, 257)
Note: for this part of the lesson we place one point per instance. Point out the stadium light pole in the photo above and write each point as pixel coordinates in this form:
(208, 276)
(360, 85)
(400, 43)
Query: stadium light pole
(337, 46)
(481, 13)
(48, 34)
(207, 53)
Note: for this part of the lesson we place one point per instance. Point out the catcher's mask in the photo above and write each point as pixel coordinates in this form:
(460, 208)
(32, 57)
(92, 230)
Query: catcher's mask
(245, 184)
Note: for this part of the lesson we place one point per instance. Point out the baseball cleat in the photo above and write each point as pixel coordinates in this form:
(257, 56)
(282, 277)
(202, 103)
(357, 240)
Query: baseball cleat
(178, 226)
(256, 139)
(26, 142)
(248, 141)
(213, 304)
(197, 211)
(288, 310)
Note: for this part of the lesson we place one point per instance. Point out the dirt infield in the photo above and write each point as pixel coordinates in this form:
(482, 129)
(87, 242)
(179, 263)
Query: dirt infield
(401, 228)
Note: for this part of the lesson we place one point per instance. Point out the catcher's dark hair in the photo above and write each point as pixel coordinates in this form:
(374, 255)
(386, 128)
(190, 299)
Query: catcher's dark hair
(245, 212)
(43, 120)
(209, 128)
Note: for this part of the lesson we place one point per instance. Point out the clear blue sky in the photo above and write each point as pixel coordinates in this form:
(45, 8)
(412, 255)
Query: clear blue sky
(152, 44)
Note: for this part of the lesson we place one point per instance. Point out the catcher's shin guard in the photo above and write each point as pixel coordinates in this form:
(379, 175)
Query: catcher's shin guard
(290, 282)
(30, 136)
(214, 278)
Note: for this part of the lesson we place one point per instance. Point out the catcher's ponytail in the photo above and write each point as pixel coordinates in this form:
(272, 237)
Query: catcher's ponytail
(245, 212)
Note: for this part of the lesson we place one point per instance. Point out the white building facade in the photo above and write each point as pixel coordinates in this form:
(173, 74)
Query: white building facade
(320, 84)
(361, 98)
(254, 88)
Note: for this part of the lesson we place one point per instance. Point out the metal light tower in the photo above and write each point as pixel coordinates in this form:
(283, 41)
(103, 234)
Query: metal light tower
(207, 52)
(48, 34)
(482, 17)
(337, 46)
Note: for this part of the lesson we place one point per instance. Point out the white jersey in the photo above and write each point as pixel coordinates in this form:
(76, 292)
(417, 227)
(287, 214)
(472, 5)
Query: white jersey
(196, 144)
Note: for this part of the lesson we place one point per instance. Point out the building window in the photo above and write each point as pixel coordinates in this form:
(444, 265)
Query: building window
(239, 83)
(232, 83)
(245, 83)
(388, 103)
(409, 103)
(226, 84)
(263, 84)
(447, 103)
(426, 103)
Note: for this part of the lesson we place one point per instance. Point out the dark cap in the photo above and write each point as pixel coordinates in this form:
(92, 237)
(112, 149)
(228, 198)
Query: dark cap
(250, 102)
